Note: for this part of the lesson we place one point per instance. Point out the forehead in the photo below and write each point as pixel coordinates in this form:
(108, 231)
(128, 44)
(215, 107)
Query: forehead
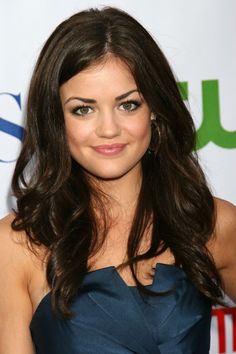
(110, 76)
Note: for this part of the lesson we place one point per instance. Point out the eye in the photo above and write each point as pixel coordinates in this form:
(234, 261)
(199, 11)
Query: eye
(130, 105)
(82, 110)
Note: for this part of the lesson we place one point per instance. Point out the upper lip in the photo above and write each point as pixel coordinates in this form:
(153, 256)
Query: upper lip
(109, 146)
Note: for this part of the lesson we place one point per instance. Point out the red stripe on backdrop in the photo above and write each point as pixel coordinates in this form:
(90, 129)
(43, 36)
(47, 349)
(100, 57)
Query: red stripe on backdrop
(220, 315)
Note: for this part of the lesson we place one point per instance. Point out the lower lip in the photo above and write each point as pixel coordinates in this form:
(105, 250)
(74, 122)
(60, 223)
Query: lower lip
(110, 151)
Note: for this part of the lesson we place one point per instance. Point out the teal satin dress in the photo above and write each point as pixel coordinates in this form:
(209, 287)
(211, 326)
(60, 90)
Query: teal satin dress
(113, 318)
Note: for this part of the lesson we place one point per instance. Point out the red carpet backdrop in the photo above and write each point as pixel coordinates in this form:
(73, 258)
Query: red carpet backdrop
(198, 38)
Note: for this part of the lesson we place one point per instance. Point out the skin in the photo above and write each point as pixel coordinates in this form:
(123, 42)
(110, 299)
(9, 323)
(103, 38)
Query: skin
(108, 121)
(22, 274)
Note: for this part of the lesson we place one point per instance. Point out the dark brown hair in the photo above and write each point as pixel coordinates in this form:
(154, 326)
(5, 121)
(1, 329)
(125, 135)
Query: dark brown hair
(53, 194)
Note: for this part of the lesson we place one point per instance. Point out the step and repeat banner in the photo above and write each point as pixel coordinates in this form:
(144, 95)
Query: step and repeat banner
(198, 38)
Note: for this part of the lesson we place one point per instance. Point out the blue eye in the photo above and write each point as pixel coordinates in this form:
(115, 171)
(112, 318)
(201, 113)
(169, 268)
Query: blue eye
(82, 110)
(130, 105)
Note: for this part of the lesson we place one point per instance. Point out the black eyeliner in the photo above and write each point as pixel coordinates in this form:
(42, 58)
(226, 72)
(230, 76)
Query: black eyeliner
(137, 103)
(74, 110)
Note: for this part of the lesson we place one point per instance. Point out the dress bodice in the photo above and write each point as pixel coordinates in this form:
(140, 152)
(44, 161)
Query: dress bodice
(111, 317)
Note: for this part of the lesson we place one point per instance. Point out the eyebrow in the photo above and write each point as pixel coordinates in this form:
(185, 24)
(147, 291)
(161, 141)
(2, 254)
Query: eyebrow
(91, 100)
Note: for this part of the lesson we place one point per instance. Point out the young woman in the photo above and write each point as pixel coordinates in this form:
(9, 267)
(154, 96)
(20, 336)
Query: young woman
(117, 244)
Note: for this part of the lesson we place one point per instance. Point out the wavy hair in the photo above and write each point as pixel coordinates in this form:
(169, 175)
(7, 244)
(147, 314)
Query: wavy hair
(54, 196)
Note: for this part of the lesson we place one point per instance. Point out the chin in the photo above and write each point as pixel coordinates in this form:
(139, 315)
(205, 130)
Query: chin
(108, 175)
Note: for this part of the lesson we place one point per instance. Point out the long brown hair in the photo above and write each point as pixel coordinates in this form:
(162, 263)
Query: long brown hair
(53, 194)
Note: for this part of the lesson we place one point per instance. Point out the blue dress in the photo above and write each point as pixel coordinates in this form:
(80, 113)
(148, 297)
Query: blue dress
(111, 317)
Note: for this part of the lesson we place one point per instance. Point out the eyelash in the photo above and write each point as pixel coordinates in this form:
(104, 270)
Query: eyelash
(135, 102)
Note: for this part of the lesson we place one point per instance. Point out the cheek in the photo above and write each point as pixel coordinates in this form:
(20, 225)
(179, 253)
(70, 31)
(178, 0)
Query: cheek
(76, 134)
(142, 131)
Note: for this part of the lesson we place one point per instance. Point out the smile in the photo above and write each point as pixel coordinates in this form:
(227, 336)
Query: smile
(109, 150)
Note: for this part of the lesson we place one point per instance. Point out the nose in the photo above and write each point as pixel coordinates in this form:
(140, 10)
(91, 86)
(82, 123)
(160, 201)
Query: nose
(107, 125)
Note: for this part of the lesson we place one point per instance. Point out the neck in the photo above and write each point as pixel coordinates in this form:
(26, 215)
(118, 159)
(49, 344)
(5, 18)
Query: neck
(122, 192)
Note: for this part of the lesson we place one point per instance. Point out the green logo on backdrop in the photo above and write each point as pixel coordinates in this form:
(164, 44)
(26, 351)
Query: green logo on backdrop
(211, 128)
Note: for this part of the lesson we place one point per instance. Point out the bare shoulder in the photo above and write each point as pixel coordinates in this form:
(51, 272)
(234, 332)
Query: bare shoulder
(225, 227)
(223, 244)
(14, 245)
(12, 251)
(223, 241)
(17, 261)
(16, 242)
(15, 301)
(8, 237)
(226, 214)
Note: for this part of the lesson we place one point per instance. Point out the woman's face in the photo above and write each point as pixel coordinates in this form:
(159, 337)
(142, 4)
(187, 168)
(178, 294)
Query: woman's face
(107, 120)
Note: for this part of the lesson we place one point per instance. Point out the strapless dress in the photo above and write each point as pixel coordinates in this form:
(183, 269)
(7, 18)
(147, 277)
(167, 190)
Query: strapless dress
(111, 317)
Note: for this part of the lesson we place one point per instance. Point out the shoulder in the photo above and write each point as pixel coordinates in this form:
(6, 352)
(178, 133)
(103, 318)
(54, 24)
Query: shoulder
(16, 239)
(222, 245)
(14, 242)
(225, 214)
(225, 226)
(11, 241)
(13, 248)
(16, 256)
(223, 240)
(15, 300)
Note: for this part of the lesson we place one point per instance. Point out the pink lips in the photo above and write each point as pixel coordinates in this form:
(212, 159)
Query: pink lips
(109, 150)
